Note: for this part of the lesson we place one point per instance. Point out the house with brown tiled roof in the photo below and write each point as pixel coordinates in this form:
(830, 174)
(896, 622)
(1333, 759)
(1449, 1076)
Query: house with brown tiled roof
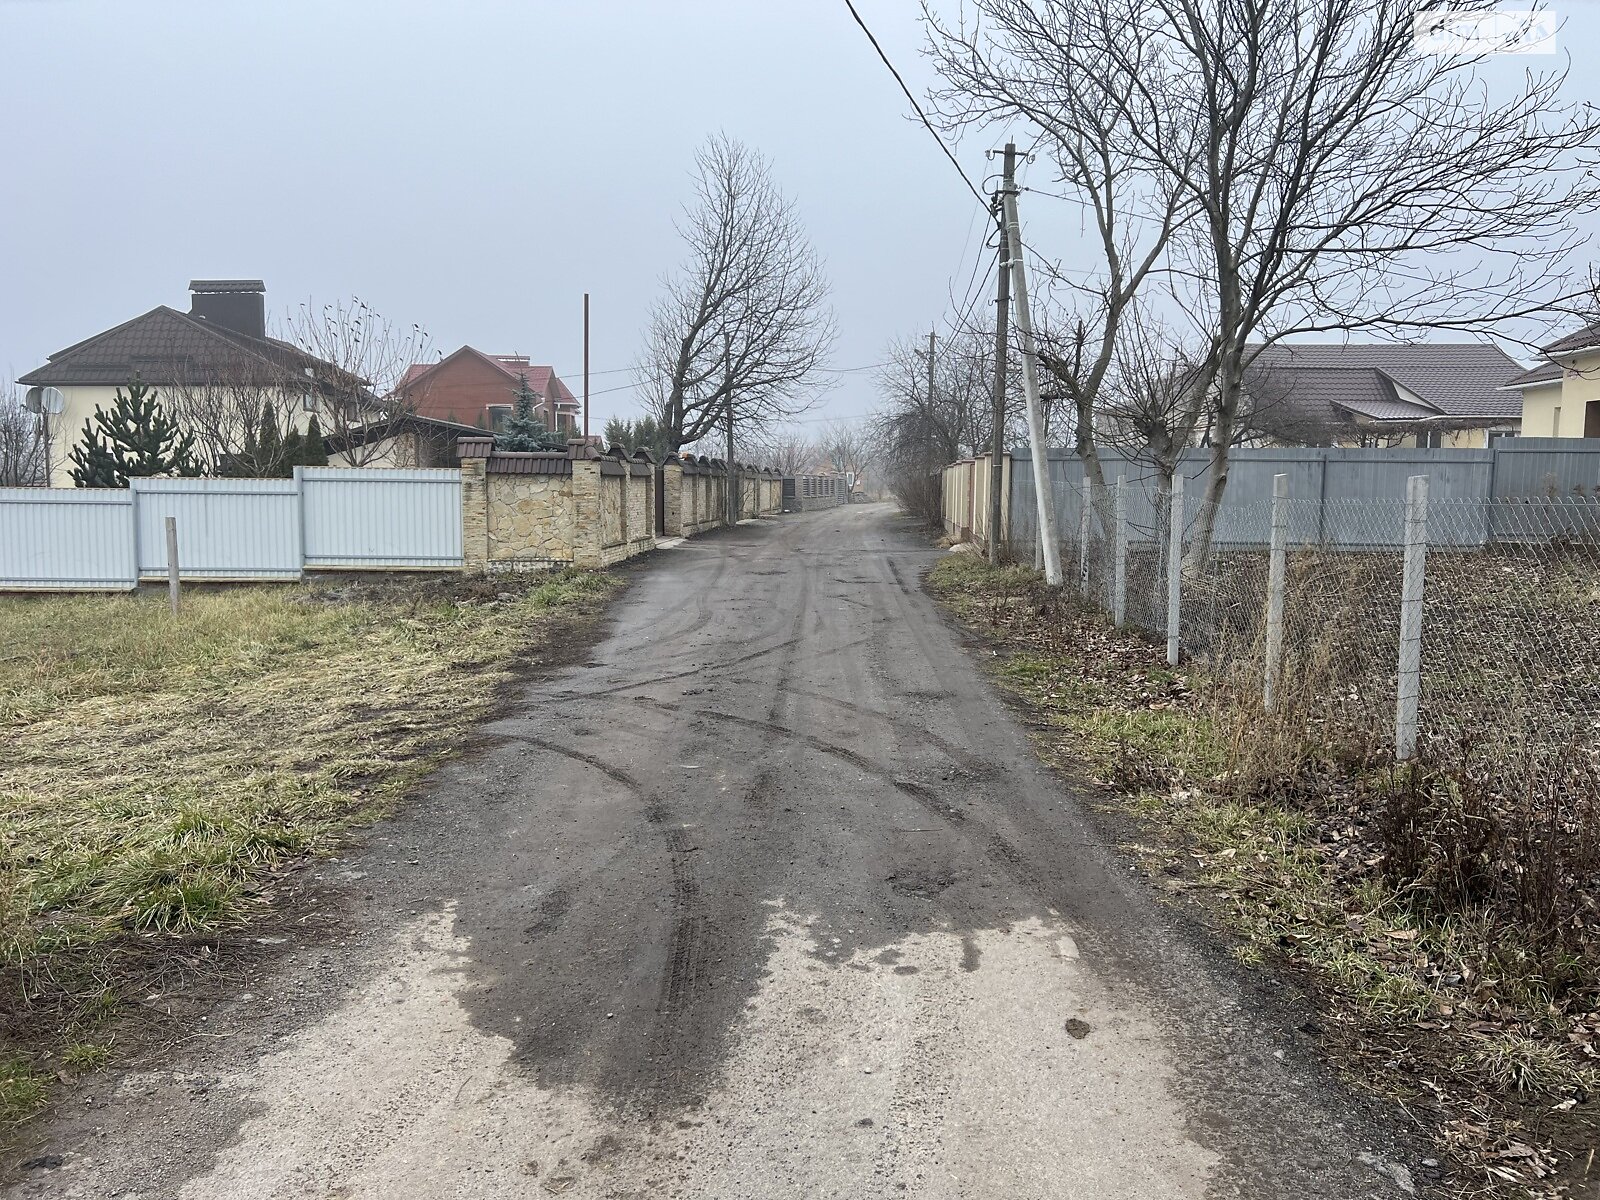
(222, 338)
(474, 388)
(1561, 396)
(1442, 394)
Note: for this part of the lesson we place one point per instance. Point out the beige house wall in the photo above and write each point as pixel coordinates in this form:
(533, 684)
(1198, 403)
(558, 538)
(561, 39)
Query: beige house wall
(401, 450)
(1560, 407)
(80, 403)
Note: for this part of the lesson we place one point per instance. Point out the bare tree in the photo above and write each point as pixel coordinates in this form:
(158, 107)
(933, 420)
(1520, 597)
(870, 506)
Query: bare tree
(1325, 173)
(1154, 398)
(1066, 66)
(917, 432)
(850, 447)
(360, 359)
(742, 327)
(785, 450)
(24, 450)
(229, 399)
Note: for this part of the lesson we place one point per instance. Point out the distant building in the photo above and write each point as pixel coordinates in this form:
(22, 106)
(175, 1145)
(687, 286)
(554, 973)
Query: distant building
(1561, 396)
(1442, 394)
(473, 388)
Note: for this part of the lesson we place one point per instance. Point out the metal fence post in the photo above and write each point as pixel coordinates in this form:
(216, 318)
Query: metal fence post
(1083, 537)
(1119, 575)
(1409, 684)
(1276, 564)
(1174, 566)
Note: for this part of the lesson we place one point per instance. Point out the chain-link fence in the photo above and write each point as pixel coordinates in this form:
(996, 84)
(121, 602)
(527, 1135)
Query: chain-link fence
(1466, 629)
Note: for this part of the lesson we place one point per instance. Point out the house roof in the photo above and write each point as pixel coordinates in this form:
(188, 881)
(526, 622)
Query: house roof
(164, 346)
(541, 379)
(1545, 372)
(1582, 339)
(1438, 381)
(379, 430)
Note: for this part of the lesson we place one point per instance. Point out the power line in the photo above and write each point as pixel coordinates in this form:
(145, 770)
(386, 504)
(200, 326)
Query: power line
(922, 116)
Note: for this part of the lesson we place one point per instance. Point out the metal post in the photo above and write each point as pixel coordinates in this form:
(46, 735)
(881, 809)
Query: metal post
(1119, 576)
(172, 563)
(1276, 564)
(1409, 684)
(1174, 566)
(1084, 526)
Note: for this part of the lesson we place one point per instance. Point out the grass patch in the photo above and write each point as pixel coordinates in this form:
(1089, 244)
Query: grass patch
(160, 770)
(1444, 924)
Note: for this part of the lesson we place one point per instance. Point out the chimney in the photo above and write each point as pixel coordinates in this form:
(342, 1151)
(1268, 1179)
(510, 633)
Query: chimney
(236, 304)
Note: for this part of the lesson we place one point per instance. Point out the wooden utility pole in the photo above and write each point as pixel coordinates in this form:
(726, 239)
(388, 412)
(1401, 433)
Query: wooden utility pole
(1030, 383)
(1002, 316)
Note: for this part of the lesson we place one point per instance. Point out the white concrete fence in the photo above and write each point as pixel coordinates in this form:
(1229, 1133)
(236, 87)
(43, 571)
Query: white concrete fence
(325, 518)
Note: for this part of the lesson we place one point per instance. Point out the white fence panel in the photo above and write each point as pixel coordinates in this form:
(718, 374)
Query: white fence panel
(66, 538)
(227, 528)
(365, 518)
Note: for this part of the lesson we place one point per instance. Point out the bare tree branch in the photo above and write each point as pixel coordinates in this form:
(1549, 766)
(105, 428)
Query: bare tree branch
(744, 323)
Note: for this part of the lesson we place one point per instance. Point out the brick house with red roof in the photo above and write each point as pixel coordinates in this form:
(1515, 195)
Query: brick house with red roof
(474, 388)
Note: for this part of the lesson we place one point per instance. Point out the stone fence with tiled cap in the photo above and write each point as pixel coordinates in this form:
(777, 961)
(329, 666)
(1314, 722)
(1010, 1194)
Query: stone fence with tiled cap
(585, 508)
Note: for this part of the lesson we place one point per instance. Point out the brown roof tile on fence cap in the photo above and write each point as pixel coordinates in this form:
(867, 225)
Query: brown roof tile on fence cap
(642, 454)
(474, 447)
(537, 462)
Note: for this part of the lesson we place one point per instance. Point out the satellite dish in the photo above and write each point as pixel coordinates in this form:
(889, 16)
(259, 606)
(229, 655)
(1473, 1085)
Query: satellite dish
(53, 401)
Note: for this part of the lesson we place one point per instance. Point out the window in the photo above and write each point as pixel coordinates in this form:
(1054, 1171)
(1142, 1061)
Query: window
(499, 414)
(1555, 419)
(1431, 439)
(1501, 435)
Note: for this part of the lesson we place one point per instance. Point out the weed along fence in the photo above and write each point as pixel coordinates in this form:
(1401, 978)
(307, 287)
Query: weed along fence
(1445, 602)
(230, 529)
(497, 512)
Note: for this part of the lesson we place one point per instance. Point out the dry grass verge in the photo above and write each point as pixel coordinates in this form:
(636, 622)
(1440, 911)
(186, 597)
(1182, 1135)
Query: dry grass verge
(160, 771)
(1444, 921)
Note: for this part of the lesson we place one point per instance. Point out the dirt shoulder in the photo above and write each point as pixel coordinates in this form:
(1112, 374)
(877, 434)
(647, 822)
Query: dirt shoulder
(169, 780)
(1289, 851)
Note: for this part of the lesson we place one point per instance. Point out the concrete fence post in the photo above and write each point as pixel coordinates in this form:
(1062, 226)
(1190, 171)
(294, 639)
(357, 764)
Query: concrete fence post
(173, 586)
(1409, 684)
(1174, 566)
(1085, 519)
(1119, 573)
(1277, 563)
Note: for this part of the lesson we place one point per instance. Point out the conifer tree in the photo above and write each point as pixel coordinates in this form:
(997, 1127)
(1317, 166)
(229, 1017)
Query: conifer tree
(313, 452)
(525, 431)
(135, 440)
(269, 443)
(293, 453)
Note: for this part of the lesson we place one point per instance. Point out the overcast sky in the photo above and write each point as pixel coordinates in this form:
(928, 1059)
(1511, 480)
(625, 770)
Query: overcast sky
(473, 167)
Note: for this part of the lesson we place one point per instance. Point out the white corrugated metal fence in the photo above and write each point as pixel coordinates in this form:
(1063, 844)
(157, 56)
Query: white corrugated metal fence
(325, 517)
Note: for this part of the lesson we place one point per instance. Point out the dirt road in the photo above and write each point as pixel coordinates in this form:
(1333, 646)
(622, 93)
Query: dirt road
(764, 897)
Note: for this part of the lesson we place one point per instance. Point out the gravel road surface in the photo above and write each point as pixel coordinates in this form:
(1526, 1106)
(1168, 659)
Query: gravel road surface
(764, 896)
